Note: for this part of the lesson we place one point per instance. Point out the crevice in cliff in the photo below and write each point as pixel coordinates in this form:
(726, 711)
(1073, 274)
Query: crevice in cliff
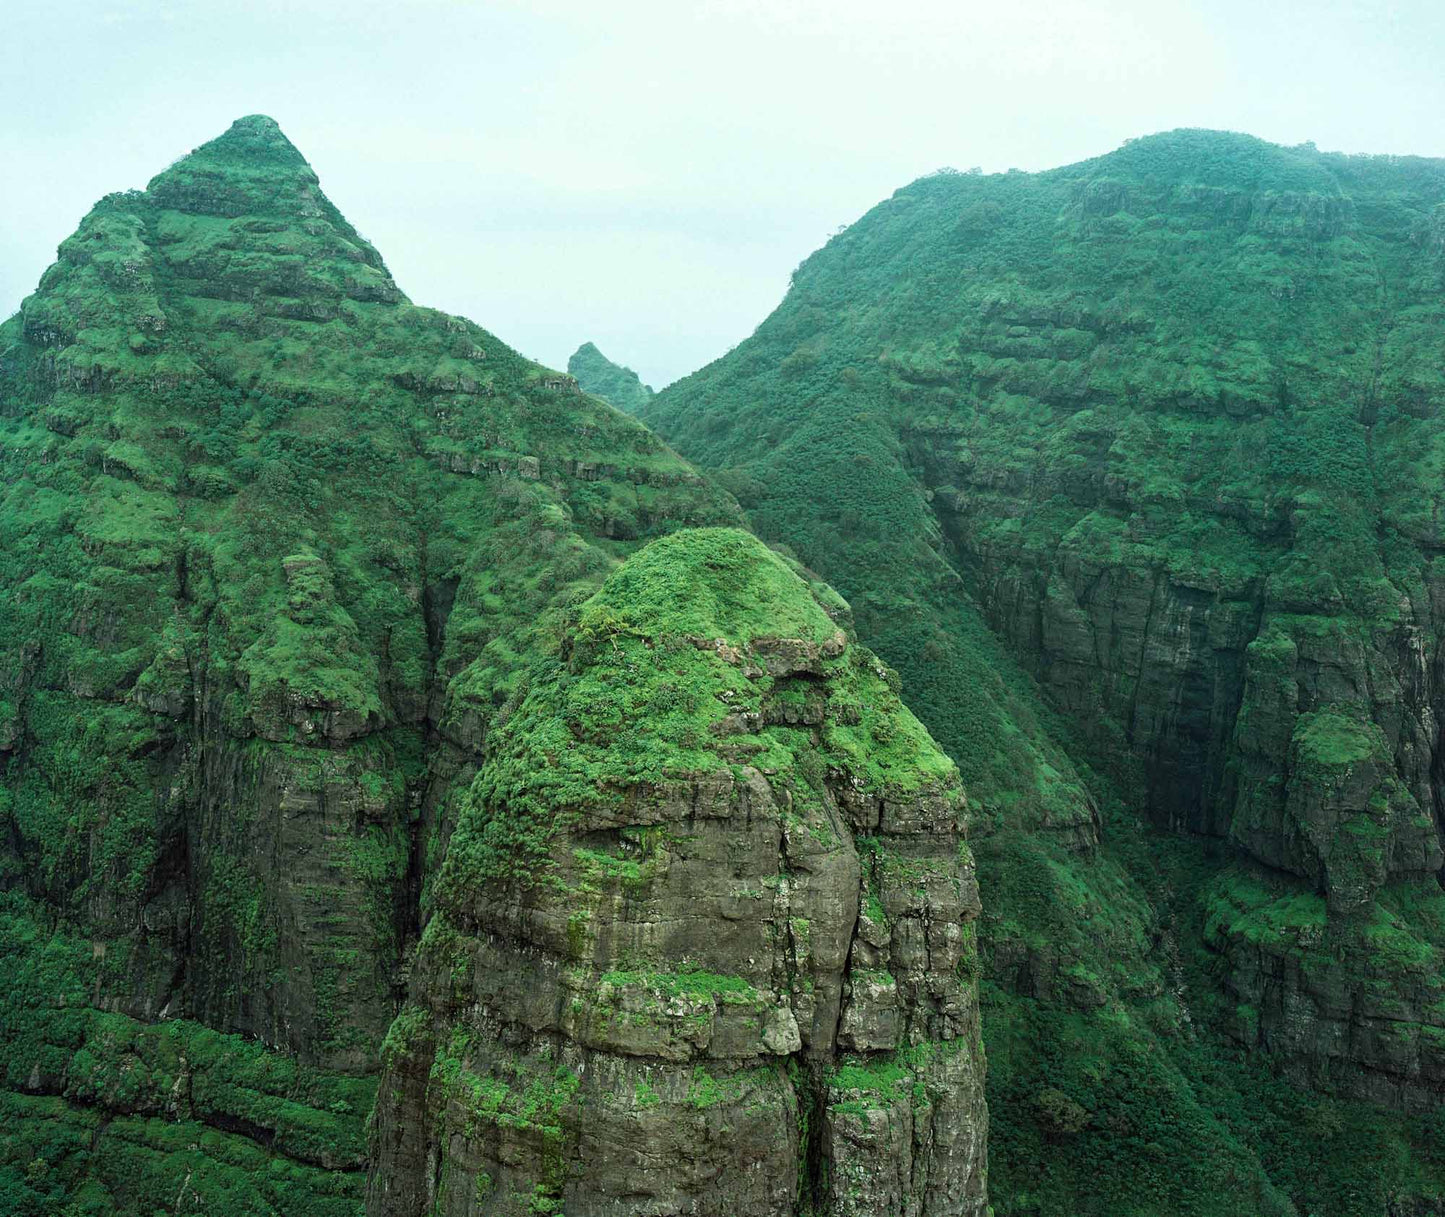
(811, 1089)
(1144, 636)
(437, 599)
(1225, 796)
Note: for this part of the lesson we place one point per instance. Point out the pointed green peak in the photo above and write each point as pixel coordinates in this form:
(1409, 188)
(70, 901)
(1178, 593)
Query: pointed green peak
(251, 168)
(617, 385)
(251, 145)
(253, 171)
(255, 138)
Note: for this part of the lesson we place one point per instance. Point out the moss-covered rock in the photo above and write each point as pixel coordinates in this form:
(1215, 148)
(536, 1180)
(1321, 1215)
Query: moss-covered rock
(279, 546)
(673, 920)
(326, 617)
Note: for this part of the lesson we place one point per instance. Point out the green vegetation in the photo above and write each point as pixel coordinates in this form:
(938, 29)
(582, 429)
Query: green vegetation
(279, 546)
(325, 616)
(1132, 471)
(686, 984)
(105, 1109)
(705, 585)
(860, 1085)
(1242, 904)
(1332, 740)
(631, 687)
(614, 384)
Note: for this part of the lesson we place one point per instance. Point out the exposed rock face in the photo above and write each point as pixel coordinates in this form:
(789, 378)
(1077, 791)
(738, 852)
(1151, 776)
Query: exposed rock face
(289, 563)
(704, 940)
(1262, 701)
(1303, 732)
(1164, 417)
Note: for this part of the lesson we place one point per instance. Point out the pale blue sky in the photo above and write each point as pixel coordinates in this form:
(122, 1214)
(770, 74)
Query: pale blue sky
(647, 174)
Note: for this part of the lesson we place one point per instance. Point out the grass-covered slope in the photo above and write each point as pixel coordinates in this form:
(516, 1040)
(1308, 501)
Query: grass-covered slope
(598, 375)
(275, 545)
(1130, 468)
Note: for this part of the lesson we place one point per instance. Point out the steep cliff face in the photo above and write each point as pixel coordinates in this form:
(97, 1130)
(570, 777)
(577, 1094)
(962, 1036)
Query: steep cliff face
(704, 938)
(1167, 421)
(283, 552)
(614, 384)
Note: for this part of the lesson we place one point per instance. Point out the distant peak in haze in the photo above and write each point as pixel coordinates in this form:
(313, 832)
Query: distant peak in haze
(617, 385)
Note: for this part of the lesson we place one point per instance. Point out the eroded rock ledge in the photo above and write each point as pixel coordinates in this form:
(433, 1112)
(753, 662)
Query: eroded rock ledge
(704, 940)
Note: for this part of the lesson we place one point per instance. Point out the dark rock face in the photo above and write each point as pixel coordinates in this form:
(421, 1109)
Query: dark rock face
(285, 555)
(738, 976)
(1281, 718)
(1299, 730)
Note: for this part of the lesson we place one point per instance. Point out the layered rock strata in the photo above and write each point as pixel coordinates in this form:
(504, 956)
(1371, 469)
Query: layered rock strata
(705, 931)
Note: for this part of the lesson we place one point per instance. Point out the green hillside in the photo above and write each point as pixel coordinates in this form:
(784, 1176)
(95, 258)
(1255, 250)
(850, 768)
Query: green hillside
(1132, 469)
(424, 791)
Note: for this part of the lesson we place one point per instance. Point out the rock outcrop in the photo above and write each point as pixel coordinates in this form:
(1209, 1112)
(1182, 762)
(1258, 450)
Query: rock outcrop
(288, 562)
(704, 938)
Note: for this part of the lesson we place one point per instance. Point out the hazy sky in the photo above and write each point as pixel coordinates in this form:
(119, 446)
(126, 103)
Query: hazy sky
(647, 175)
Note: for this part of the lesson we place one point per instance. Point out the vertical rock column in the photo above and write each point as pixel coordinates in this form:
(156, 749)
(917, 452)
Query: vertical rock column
(704, 940)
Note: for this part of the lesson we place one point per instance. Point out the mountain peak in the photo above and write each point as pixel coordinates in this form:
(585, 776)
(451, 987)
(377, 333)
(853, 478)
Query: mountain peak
(251, 158)
(253, 171)
(617, 385)
(257, 122)
(251, 143)
(256, 134)
(1212, 157)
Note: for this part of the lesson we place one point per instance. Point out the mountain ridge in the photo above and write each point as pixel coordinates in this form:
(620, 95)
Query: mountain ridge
(1143, 443)
(360, 768)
